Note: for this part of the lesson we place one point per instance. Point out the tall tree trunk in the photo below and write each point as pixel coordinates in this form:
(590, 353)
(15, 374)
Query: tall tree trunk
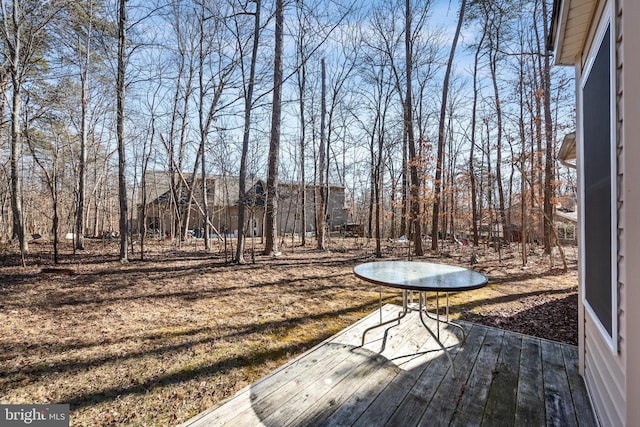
(79, 238)
(242, 180)
(143, 204)
(405, 187)
(205, 200)
(203, 124)
(271, 220)
(15, 51)
(120, 85)
(16, 155)
(178, 130)
(302, 85)
(451, 180)
(84, 88)
(489, 182)
(189, 188)
(379, 123)
(4, 82)
(443, 110)
(496, 93)
(536, 166)
(523, 159)
(322, 201)
(549, 184)
(372, 190)
(472, 174)
(56, 219)
(408, 113)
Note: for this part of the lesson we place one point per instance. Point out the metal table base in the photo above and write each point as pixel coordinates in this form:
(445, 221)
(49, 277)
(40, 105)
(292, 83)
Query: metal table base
(423, 310)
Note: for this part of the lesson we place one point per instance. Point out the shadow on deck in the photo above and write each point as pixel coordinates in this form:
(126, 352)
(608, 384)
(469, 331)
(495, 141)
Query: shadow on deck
(401, 378)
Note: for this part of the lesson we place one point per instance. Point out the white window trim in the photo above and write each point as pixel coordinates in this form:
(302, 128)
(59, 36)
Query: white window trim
(605, 21)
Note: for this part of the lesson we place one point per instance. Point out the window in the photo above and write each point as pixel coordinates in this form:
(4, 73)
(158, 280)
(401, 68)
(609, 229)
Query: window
(598, 204)
(566, 231)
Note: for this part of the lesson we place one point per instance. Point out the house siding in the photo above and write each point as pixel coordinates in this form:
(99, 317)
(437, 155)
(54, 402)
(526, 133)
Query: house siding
(604, 377)
(222, 196)
(613, 375)
(603, 369)
(629, 202)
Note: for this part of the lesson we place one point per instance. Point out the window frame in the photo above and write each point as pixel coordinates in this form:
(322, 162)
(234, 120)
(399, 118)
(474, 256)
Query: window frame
(606, 23)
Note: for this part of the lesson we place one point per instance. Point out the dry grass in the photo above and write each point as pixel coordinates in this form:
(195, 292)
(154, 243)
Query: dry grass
(155, 342)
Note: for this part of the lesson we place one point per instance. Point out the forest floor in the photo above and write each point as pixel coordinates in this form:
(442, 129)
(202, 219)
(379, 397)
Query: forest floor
(155, 342)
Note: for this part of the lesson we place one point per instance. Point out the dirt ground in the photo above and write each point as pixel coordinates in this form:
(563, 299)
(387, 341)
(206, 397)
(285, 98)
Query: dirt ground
(155, 342)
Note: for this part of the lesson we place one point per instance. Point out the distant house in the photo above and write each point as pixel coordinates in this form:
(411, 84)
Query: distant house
(564, 219)
(566, 223)
(223, 197)
(566, 214)
(600, 39)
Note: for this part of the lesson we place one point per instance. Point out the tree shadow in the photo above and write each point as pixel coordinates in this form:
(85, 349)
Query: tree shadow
(185, 341)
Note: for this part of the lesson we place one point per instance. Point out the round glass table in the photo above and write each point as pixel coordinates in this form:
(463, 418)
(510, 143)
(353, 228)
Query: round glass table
(421, 277)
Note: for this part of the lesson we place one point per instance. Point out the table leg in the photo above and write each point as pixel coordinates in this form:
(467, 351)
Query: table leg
(404, 312)
(437, 316)
(437, 338)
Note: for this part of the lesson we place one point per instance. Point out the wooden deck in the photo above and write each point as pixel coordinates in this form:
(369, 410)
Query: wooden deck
(502, 379)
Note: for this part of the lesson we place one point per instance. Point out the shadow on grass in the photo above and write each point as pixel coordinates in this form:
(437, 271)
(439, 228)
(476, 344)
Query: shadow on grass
(181, 374)
(121, 274)
(90, 297)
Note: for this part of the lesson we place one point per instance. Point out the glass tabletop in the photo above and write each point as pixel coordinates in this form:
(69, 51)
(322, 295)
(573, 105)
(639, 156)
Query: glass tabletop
(420, 276)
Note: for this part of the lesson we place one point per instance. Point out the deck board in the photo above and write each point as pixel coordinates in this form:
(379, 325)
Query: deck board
(557, 392)
(439, 410)
(530, 393)
(500, 406)
(401, 378)
(479, 384)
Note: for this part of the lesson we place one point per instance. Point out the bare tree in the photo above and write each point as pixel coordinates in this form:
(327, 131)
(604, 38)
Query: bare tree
(441, 133)
(120, 100)
(185, 28)
(248, 105)
(215, 67)
(494, 19)
(302, 87)
(22, 29)
(523, 148)
(322, 194)
(549, 181)
(382, 48)
(147, 150)
(84, 61)
(379, 133)
(472, 173)
(271, 231)
(408, 118)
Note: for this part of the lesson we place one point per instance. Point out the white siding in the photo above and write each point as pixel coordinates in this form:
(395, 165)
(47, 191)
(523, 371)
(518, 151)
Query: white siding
(604, 376)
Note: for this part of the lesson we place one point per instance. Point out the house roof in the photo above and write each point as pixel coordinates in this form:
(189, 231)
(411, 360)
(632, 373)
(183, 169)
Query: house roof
(569, 216)
(569, 28)
(567, 153)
